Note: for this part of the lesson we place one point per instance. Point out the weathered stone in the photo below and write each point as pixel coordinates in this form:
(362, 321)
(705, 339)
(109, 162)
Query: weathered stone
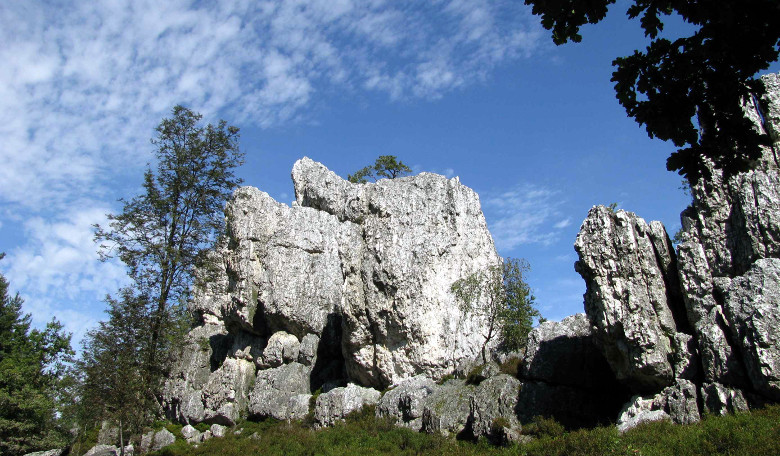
(494, 405)
(307, 354)
(337, 403)
(447, 409)
(405, 402)
(55, 452)
(217, 430)
(677, 403)
(752, 306)
(189, 433)
(719, 399)
(154, 441)
(225, 394)
(282, 393)
(282, 348)
(102, 450)
(632, 296)
(203, 350)
(417, 236)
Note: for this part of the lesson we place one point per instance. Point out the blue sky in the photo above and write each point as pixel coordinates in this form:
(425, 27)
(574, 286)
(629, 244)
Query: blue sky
(472, 88)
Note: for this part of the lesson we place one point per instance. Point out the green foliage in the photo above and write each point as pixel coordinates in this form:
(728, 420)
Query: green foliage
(161, 235)
(32, 363)
(117, 385)
(612, 207)
(386, 166)
(544, 427)
(707, 75)
(511, 366)
(748, 434)
(475, 376)
(501, 295)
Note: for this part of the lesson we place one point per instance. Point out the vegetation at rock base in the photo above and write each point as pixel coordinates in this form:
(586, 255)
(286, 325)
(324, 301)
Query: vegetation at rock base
(386, 166)
(756, 433)
(708, 75)
(501, 295)
(32, 364)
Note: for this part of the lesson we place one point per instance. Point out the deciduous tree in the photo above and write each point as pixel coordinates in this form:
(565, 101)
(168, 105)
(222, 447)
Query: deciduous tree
(501, 295)
(707, 76)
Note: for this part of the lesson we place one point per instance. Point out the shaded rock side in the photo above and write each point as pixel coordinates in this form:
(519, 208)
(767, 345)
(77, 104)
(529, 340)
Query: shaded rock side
(632, 296)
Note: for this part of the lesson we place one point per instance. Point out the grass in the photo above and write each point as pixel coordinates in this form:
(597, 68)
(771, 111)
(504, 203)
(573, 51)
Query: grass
(754, 434)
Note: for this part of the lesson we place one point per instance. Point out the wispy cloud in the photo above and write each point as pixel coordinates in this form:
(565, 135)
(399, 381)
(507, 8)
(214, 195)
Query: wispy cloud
(82, 85)
(523, 215)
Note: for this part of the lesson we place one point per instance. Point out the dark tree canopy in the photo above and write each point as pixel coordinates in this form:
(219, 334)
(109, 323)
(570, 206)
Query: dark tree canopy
(386, 166)
(164, 232)
(707, 76)
(31, 362)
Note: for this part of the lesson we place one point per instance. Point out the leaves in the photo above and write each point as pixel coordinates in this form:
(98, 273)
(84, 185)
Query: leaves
(386, 166)
(707, 76)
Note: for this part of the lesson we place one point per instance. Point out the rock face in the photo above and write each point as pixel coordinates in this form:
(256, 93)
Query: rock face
(349, 285)
(695, 329)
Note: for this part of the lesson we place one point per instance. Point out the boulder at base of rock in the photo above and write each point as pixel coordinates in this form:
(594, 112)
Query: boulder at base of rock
(154, 441)
(46, 453)
(720, 400)
(494, 407)
(677, 403)
(447, 409)
(337, 403)
(405, 402)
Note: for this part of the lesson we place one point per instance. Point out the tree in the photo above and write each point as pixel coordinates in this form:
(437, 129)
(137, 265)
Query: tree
(113, 366)
(386, 166)
(163, 233)
(708, 75)
(501, 295)
(31, 362)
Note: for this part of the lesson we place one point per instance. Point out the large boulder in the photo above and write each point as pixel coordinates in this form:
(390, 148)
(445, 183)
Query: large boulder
(405, 402)
(417, 236)
(493, 408)
(154, 441)
(752, 306)
(337, 403)
(446, 410)
(352, 280)
(282, 393)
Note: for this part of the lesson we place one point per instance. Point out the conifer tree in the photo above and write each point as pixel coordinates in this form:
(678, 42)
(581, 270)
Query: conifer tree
(31, 362)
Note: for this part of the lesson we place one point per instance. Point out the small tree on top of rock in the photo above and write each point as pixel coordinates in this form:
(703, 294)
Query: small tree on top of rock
(501, 295)
(386, 166)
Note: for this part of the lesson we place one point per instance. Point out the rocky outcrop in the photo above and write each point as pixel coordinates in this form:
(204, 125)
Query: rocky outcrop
(404, 403)
(154, 441)
(337, 403)
(349, 285)
(693, 332)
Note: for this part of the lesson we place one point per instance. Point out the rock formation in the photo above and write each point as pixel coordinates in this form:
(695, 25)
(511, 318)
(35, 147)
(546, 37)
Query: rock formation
(693, 330)
(310, 310)
(349, 285)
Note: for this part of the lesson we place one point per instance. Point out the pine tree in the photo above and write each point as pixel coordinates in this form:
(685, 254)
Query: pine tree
(31, 362)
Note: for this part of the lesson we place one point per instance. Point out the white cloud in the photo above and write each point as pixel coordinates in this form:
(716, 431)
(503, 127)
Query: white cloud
(563, 223)
(59, 272)
(83, 84)
(522, 215)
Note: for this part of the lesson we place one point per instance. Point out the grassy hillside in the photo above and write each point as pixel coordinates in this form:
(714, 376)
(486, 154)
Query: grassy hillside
(754, 434)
